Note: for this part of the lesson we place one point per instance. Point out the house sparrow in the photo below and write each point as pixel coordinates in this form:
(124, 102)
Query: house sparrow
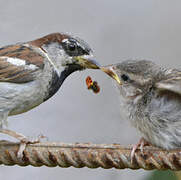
(32, 72)
(151, 97)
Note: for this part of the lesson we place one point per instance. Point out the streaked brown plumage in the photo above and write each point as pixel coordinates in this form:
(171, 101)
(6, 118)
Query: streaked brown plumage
(27, 52)
(32, 72)
(19, 74)
(54, 37)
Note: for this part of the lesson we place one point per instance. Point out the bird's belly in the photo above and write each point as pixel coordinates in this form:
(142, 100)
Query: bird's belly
(19, 98)
(160, 123)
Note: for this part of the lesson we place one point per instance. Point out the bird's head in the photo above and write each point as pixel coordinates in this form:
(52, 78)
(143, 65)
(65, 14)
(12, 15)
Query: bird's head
(67, 52)
(77, 52)
(134, 78)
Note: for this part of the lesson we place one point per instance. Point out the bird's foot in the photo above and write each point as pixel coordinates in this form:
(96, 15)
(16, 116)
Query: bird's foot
(23, 140)
(28, 140)
(142, 142)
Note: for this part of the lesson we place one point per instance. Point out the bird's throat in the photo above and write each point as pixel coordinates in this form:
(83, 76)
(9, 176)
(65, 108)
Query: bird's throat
(57, 80)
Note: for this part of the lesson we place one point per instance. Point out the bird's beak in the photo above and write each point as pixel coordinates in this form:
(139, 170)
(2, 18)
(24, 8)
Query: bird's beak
(111, 72)
(87, 61)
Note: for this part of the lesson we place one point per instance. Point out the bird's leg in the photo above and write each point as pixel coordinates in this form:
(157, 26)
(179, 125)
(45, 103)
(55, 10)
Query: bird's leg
(21, 137)
(23, 140)
(14, 134)
(142, 142)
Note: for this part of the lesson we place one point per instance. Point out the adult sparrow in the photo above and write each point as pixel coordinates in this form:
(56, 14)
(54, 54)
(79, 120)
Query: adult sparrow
(151, 97)
(32, 72)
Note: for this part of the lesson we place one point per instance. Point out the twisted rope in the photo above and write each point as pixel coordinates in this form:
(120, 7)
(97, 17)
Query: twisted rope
(89, 155)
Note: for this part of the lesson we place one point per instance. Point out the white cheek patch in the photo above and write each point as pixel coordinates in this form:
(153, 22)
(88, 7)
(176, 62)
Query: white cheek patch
(65, 59)
(20, 62)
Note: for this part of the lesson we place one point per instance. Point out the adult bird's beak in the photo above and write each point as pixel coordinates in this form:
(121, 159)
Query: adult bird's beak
(87, 61)
(111, 72)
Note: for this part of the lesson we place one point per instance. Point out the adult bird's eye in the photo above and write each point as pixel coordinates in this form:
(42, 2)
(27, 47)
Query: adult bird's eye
(124, 77)
(71, 46)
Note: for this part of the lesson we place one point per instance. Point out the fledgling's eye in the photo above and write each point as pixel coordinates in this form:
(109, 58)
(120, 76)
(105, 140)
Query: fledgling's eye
(124, 77)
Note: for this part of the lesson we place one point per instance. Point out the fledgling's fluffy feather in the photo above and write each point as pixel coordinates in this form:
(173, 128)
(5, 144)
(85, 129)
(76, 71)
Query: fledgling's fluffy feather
(151, 96)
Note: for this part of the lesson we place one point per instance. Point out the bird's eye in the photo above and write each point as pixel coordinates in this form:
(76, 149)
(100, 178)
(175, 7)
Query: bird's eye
(72, 46)
(124, 77)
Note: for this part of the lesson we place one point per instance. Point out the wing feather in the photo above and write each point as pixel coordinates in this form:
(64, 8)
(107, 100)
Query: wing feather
(172, 82)
(19, 64)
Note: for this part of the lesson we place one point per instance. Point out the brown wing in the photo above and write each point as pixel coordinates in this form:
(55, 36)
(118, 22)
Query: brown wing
(19, 64)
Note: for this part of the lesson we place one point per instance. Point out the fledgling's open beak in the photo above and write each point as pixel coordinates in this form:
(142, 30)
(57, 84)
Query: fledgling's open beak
(87, 61)
(111, 72)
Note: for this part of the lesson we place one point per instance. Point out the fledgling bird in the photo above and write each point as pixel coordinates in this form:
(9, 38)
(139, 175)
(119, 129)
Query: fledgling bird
(151, 97)
(32, 72)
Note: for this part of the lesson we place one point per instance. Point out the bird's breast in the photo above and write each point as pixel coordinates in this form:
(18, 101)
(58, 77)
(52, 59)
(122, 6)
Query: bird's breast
(54, 85)
(58, 79)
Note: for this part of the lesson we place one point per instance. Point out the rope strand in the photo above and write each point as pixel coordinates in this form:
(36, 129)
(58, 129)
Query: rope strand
(89, 155)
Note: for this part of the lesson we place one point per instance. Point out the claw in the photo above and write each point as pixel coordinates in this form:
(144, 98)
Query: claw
(135, 147)
(142, 142)
(21, 150)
